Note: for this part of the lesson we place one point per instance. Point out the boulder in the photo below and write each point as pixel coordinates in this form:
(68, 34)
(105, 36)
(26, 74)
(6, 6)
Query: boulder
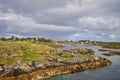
(37, 64)
(51, 59)
(18, 68)
(17, 65)
(25, 68)
(96, 58)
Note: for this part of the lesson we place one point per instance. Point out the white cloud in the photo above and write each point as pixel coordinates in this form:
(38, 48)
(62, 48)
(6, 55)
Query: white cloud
(112, 36)
(100, 23)
(76, 35)
(102, 33)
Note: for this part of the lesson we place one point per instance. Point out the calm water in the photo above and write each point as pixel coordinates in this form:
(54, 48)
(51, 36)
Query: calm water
(111, 72)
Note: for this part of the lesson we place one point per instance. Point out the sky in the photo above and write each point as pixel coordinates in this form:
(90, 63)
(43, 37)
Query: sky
(97, 20)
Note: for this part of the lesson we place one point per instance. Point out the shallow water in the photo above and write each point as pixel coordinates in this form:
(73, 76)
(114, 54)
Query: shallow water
(111, 72)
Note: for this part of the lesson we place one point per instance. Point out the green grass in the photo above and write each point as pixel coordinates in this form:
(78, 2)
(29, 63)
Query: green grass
(26, 51)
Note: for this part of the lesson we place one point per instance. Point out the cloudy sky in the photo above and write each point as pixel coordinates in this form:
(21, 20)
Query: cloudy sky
(61, 19)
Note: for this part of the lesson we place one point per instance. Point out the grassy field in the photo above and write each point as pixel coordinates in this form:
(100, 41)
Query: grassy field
(20, 50)
(25, 51)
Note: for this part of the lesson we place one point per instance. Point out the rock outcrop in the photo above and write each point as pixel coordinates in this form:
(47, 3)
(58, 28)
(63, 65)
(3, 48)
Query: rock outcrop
(36, 70)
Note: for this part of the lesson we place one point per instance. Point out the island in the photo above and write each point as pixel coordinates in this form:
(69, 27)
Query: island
(39, 58)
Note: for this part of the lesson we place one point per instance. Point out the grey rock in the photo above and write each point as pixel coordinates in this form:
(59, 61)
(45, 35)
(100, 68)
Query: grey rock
(96, 58)
(51, 59)
(37, 64)
(25, 68)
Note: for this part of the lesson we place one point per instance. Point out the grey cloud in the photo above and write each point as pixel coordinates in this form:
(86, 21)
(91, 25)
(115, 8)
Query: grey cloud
(61, 19)
(32, 6)
(30, 24)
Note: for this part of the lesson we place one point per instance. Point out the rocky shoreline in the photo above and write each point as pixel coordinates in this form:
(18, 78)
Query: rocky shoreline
(37, 71)
(110, 53)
